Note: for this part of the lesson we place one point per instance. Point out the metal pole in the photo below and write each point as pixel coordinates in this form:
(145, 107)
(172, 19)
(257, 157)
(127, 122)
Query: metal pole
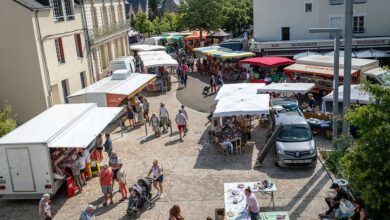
(347, 60)
(336, 65)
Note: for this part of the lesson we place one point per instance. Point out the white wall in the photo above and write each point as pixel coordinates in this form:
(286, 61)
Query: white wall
(21, 70)
(271, 15)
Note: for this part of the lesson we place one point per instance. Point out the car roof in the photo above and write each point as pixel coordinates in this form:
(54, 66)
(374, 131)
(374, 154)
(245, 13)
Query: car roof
(290, 117)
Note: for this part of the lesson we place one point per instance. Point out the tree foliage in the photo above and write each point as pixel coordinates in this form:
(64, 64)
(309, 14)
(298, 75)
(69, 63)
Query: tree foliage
(239, 14)
(7, 121)
(202, 15)
(143, 25)
(173, 20)
(367, 164)
(161, 25)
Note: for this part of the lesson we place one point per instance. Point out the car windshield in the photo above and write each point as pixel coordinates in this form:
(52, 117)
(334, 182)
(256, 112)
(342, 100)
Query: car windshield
(295, 133)
(384, 78)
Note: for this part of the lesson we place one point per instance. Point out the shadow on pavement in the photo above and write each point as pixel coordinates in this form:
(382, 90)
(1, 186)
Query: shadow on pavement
(210, 157)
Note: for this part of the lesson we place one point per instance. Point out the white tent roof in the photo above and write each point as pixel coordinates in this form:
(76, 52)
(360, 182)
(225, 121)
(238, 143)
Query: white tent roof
(238, 89)
(146, 47)
(160, 62)
(242, 105)
(70, 125)
(319, 60)
(157, 58)
(357, 95)
(122, 87)
(287, 87)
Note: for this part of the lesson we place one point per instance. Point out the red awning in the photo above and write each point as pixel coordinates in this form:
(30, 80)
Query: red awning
(196, 35)
(267, 61)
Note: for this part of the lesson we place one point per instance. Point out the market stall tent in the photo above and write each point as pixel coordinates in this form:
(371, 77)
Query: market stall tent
(294, 88)
(109, 92)
(242, 105)
(147, 47)
(357, 95)
(27, 167)
(238, 89)
(267, 61)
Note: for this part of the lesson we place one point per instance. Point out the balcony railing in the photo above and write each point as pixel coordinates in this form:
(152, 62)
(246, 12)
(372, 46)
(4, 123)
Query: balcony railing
(107, 30)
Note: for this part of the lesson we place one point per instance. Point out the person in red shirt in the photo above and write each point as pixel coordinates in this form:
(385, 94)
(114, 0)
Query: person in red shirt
(106, 179)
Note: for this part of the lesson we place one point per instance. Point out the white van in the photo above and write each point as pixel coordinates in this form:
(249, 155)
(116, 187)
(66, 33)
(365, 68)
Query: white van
(122, 63)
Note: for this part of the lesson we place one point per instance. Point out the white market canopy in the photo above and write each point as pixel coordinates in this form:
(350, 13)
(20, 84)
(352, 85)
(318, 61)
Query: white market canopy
(242, 105)
(156, 58)
(357, 95)
(133, 83)
(69, 125)
(147, 47)
(238, 89)
(287, 87)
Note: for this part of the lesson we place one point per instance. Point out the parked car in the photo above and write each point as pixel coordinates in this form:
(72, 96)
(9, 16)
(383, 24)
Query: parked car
(294, 146)
(122, 63)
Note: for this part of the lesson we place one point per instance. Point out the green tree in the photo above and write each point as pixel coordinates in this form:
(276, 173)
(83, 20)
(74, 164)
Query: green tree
(366, 164)
(153, 5)
(161, 25)
(238, 15)
(142, 24)
(202, 15)
(173, 20)
(7, 120)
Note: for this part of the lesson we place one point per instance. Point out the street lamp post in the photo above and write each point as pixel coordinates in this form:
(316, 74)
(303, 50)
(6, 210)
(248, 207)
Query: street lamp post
(336, 64)
(347, 61)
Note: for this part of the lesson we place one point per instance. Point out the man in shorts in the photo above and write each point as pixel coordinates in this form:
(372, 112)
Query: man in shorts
(106, 179)
(114, 162)
(181, 123)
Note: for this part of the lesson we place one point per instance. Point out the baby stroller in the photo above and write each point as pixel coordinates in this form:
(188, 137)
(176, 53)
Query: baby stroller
(140, 196)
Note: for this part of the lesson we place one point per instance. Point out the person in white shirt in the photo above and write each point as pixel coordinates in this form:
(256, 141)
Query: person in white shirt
(87, 157)
(164, 117)
(181, 123)
(82, 168)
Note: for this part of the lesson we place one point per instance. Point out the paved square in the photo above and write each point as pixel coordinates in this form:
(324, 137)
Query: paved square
(194, 174)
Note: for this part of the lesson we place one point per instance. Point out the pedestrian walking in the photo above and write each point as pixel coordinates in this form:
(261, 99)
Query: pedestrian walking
(108, 145)
(191, 63)
(88, 169)
(213, 84)
(130, 114)
(122, 182)
(185, 78)
(175, 213)
(179, 75)
(158, 176)
(184, 111)
(44, 207)
(164, 117)
(252, 205)
(99, 147)
(146, 106)
(76, 169)
(181, 123)
(87, 213)
(155, 123)
(83, 166)
(140, 113)
(114, 162)
(219, 82)
(105, 177)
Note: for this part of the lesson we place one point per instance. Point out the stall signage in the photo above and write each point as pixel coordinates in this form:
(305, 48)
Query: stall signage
(256, 46)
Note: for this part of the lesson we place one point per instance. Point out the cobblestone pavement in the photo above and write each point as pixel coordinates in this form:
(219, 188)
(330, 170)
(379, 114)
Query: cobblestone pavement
(193, 178)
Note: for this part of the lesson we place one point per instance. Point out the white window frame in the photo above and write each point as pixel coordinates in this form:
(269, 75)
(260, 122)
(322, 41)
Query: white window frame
(364, 23)
(58, 10)
(69, 9)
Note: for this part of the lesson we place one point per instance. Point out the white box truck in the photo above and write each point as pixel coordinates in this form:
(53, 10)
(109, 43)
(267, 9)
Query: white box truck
(27, 169)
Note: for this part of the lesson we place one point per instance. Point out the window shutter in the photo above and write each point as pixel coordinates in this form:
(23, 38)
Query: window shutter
(61, 50)
(79, 46)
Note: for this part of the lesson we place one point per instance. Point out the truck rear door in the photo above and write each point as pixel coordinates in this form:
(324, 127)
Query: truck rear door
(19, 164)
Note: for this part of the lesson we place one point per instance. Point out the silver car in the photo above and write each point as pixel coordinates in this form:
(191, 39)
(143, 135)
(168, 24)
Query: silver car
(294, 146)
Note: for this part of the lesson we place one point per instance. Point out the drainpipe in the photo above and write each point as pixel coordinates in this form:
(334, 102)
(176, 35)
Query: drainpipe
(45, 68)
(86, 39)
